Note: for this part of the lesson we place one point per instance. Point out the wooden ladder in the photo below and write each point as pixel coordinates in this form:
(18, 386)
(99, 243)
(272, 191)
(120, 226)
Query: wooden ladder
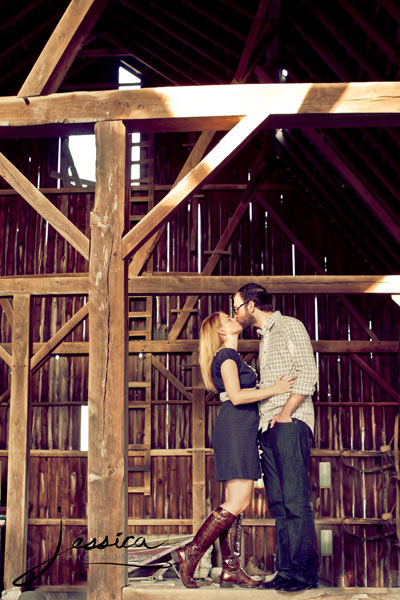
(140, 315)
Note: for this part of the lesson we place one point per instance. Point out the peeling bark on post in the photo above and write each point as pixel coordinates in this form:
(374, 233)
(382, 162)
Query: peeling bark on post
(108, 345)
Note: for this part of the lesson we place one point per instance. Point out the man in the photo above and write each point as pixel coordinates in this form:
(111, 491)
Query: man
(286, 426)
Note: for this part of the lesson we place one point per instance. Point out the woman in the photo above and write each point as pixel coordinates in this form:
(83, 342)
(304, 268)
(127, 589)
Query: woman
(235, 447)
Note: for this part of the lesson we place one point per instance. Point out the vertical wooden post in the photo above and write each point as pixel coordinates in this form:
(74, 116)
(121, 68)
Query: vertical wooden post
(108, 351)
(198, 443)
(18, 443)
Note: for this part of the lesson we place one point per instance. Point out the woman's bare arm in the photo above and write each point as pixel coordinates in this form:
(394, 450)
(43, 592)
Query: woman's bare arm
(238, 395)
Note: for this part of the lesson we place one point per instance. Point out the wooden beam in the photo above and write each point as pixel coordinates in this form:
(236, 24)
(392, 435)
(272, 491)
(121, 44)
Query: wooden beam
(64, 44)
(393, 8)
(358, 186)
(175, 284)
(198, 443)
(7, 309)
(329, 57)
(48, 348)
(4, 355)
(167, 67)
(184, 40)
(252, 39)
(188, 451)
(376, 377)
(258, 522)
(18, 444)
(276, 284)
(230, 144)
(17, 15)
(322, 346)
(42, 285)
(354, 346)
(187, 346)
(223, 187)
(44, 207)
(350, 45)
(372, 32)
(171, 378)
(108, 352)
(215, 107)
(223, 24)
(138, 59)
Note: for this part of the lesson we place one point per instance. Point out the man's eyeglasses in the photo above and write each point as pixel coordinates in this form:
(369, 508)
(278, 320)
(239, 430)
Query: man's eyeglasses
(236, 309)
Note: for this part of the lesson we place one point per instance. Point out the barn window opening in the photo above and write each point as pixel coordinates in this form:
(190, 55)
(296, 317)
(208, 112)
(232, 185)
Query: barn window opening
(396, 298)
(82, 148)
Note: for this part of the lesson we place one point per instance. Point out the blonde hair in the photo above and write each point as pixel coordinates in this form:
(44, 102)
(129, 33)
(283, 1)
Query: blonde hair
(210, 342)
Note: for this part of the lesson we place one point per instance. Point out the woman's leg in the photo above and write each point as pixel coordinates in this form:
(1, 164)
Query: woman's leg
(238, 496)
(189, 556)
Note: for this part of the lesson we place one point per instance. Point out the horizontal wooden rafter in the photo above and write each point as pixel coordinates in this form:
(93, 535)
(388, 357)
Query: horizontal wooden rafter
(299, 284)
(264, 522)
(245, 346)
(315, 452)
(175, 284)
(221, 187)
(39, 285)
(195, 108)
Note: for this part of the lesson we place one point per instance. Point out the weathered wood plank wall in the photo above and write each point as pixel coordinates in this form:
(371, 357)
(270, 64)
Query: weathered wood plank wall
(353, 411)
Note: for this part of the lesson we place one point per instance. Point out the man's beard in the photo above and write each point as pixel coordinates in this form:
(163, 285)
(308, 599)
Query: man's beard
(247, 321)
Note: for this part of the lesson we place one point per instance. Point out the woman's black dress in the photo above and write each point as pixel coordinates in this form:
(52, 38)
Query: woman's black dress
(236, 427)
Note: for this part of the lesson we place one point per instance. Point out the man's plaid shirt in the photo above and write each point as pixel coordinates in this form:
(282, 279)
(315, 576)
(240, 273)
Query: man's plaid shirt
(285, 348)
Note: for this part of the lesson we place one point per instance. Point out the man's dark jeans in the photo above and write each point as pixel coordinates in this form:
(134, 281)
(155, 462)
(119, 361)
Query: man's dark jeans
(285, 455)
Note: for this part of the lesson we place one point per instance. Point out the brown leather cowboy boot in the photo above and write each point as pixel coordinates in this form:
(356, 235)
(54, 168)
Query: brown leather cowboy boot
(189, 556)
(232, 573)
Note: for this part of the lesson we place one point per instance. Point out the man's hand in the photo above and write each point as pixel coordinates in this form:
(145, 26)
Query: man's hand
(280, 418)
(285, 416)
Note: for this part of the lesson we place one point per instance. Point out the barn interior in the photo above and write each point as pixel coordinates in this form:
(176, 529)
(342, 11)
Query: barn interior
(154, 157)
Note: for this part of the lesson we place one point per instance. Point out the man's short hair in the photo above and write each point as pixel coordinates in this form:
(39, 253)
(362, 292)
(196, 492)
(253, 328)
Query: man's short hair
(257, 293)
